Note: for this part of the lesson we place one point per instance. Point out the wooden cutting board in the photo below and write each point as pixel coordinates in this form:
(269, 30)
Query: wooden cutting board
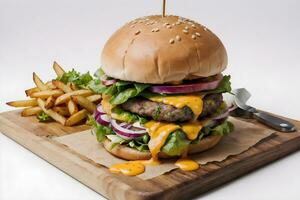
(176, 184)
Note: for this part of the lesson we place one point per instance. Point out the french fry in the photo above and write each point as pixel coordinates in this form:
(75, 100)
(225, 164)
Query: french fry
(30, 111)
(61, 110)
(54, 115)
(23, 103)
(93, 98)
(83, 102)
(50, 85)
(49, 102)
(73, 86)
(47, 93)
(77, 117)
(39, 83)
(66, 97)
(30, 91)
(72, 107)
(62, 86)
(58, 69)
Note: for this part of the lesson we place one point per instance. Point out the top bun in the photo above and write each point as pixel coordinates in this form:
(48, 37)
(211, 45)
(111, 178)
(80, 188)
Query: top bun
(158, 49)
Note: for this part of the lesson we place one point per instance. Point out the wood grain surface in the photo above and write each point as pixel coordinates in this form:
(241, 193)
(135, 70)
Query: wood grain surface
(176, 184)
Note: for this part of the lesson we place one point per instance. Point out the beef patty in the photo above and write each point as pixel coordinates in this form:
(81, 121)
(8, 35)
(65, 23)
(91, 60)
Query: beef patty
(164, 112)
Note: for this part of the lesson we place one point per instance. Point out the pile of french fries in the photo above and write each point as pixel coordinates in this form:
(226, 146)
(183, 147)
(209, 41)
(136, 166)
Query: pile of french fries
(64, 103)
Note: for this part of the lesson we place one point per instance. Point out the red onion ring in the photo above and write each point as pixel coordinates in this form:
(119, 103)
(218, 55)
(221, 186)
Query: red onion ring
(99, 110)
(109, 82)
(125, 125)
(103, 119)
(126, 133)
(187, 88)
(223, 115)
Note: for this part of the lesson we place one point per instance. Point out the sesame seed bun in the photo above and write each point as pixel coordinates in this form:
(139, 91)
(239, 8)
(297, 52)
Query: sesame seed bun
(128, 153)
(158, 49)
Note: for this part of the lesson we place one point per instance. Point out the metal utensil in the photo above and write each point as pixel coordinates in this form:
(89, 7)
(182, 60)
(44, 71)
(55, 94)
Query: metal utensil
(238, 102)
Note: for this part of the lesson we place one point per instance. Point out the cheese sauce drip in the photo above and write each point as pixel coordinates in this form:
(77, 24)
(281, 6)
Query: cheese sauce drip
(194, 102)
(192, 129)
(105, 104)
(159, 133)
(186, 164)
(128, 168)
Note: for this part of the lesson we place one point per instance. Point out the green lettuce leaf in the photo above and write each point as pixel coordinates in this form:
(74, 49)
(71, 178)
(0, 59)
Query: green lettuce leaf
(140, 143)
(223, 129)
(138, 146)
(122, 85)
(97, 87)
(124, 116)
(80, 80)
(224, 86)
(43, 117)
(176, 143)
(121, 91)
(100, 130)
(115, 140)
(128, 93)
(99, 73)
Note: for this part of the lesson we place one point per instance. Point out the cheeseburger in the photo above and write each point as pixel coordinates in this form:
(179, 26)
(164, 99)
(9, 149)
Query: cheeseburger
(161, 81)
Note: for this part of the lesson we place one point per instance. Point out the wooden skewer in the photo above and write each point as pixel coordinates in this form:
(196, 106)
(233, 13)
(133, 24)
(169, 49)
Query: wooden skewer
(164, 8)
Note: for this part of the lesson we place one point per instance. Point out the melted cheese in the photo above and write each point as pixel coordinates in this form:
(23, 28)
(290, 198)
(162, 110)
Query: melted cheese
(159, 133)
(133, 168)
(194, 102)
(128, 168)
(187, 164)
(105, 104)
(161, 130)
(192, 129)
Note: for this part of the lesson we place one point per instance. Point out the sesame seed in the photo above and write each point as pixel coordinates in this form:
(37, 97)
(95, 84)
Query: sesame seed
(171, 41)
(155, 30)
(198, 34)
(185, 31)
(178, 38)
(173, 24)
(186, 28)
(169, 26)
(193, 26)
(137, 32)
(132, 26)
(205, 29)
(194, 37)
(178, 23)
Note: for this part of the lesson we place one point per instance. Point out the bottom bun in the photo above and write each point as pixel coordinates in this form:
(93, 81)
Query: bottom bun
(128, 153)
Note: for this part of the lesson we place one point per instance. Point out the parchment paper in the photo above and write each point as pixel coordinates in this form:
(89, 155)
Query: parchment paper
(245, 135)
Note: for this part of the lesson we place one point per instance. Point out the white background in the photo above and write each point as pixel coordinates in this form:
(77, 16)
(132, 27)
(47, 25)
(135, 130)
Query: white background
(262, 38)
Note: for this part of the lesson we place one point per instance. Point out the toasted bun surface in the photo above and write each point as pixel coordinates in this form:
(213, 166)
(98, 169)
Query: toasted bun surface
(159, 50)
(128, 153)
